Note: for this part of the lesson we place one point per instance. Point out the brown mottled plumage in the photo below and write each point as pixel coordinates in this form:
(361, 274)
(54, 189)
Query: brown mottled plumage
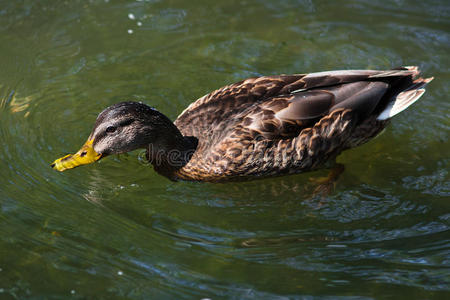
(265, 126)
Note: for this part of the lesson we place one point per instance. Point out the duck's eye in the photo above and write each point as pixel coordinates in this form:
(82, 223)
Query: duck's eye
(111, 129)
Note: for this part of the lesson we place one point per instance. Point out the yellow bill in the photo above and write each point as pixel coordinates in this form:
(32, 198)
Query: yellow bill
(84, 156)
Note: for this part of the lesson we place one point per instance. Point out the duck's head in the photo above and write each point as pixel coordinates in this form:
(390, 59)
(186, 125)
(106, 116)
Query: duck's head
(120, 128)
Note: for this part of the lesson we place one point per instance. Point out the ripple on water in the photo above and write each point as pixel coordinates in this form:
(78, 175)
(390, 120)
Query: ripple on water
(117, 229)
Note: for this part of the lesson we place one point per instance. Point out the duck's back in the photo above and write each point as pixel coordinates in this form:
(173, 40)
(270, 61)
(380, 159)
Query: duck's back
(271, 125)
(219, 110)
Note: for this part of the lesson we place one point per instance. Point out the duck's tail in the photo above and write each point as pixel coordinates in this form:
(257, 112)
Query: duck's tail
(408, 95)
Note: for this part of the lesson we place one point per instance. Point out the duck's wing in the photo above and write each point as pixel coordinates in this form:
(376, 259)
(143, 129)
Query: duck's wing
(285, 116)
(221, 106)
(283, 105)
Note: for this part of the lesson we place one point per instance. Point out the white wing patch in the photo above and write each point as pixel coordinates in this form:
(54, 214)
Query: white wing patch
(402, 102)
(404, 99)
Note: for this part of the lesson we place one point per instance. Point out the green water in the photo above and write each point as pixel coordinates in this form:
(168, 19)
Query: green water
(117, 230)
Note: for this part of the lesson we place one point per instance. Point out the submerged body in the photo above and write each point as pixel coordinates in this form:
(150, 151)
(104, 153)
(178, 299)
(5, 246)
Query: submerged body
(259, 127)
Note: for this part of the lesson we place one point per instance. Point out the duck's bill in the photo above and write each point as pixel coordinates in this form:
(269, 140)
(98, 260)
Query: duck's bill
(84, 156)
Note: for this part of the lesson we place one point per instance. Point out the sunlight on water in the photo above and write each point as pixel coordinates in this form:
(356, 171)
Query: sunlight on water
(118, 230)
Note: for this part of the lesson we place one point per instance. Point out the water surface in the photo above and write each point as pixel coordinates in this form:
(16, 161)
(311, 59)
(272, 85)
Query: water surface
(117, 230)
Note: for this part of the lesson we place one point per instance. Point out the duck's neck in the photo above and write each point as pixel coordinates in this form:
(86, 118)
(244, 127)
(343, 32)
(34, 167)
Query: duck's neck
(171, 151)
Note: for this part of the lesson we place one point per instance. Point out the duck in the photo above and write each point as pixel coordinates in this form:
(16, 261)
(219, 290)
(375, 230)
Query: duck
(256, 128)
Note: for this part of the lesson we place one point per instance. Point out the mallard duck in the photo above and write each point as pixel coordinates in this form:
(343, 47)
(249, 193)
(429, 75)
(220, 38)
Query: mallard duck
(258, 127)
